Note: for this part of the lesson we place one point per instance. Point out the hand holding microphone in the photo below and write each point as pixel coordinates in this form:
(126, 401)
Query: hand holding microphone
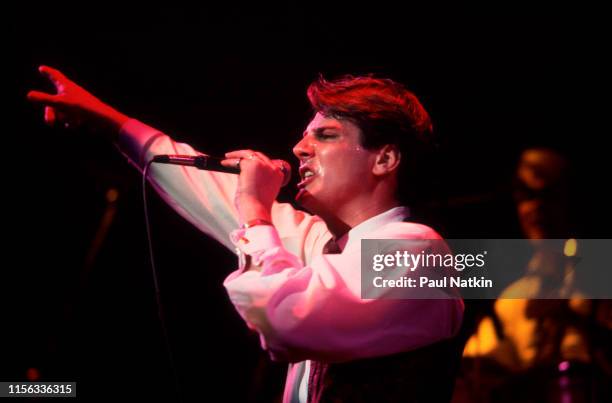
(259, 182)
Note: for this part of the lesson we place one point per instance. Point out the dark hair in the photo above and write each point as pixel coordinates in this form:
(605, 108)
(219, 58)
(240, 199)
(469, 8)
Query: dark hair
(385, 111)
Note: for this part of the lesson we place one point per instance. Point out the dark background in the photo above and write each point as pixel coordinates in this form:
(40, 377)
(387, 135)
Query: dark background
(228, 78)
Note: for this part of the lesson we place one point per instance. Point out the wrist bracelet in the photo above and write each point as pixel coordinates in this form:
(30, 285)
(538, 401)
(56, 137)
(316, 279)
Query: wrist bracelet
(254, 222)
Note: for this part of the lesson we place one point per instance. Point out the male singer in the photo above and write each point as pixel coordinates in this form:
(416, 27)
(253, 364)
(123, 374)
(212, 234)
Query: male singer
(298, 284)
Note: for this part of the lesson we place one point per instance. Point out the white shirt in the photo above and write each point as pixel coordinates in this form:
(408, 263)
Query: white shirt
(304, 304)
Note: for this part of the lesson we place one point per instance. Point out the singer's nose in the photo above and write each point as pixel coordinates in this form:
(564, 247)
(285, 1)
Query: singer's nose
(303, 149)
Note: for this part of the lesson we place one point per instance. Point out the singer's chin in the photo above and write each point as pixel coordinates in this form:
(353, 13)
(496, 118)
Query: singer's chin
(305, 199)
(302, 196)
(308, 201)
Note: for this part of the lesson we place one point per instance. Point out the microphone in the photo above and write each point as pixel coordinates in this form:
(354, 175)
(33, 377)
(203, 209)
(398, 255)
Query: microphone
(210, 163)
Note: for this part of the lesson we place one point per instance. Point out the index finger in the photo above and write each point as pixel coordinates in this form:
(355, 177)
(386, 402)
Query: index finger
(44, 98)
(248, 154)
(239, 154)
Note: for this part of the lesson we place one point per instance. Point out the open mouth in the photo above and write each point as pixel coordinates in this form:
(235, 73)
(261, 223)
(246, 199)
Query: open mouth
(307, 176)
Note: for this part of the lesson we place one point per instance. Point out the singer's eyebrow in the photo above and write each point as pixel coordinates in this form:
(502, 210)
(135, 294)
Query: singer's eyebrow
(321, 129)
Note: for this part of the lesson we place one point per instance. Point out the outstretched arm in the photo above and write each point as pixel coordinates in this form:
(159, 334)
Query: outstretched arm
(204, 198)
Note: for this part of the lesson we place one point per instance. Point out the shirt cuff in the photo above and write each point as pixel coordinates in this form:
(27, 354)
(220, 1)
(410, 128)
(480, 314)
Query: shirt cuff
(256, 239)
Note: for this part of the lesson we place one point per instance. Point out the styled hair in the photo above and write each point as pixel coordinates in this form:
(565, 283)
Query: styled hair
(386, 113)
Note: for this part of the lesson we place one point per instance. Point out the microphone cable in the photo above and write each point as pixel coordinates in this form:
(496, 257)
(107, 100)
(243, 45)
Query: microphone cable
(158, 301)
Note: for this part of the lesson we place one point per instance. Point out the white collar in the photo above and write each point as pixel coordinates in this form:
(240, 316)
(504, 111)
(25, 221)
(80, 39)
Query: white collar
(395, 214)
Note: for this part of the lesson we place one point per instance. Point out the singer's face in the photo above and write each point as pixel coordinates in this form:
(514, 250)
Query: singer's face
(334, 167)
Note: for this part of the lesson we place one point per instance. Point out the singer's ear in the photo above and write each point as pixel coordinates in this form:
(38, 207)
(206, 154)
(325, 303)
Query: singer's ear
(387, 160)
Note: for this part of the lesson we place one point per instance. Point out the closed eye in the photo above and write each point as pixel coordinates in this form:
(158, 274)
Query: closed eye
(326, 135)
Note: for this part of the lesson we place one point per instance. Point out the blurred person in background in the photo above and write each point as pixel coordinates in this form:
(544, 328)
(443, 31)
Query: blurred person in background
(541, 340)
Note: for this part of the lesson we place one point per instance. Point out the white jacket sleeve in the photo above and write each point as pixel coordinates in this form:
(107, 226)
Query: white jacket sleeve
(203, 198)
